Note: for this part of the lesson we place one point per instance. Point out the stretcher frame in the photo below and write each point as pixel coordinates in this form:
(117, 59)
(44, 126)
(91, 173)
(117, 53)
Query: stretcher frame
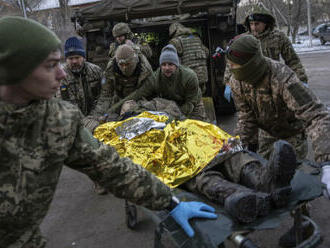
(167, 231)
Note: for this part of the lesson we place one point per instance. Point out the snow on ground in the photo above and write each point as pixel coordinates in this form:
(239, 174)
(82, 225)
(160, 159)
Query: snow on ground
(304, 46)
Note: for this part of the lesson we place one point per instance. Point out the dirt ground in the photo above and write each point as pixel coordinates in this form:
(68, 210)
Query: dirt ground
(79, 218)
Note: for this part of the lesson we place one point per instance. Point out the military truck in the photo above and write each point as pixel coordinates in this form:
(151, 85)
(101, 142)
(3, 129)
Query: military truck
(213, 20)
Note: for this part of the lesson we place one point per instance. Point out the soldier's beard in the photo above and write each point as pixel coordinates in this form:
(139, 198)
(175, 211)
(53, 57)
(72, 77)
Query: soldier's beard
(76, 68)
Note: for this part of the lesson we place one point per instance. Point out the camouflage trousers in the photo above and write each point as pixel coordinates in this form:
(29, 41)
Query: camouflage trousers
(30, 239)
(266, 141)
(230, 169)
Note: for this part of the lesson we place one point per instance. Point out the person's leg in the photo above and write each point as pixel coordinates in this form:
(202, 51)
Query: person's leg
(240, 202)
(272, 176)
(266, 141)
(299, 142)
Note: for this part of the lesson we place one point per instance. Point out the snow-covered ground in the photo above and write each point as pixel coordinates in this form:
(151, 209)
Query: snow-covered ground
(304, 47)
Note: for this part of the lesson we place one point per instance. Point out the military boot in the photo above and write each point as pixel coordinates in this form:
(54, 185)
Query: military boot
(273, 176)
(242, 203)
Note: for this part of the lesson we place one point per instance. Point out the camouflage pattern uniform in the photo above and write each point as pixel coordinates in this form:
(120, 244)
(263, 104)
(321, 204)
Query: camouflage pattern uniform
(283, 108)
(123, 29)
(29, 172)
(191, 51)
(82, 89)
(182, 88)
(275, 45)
(118, 88)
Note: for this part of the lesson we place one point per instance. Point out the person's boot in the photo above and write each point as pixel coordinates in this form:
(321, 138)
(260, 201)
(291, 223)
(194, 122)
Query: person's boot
(240, 202)
(273, 176)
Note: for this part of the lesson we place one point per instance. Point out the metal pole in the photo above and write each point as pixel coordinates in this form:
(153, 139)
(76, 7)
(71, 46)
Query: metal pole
(309, 23)
(23, 7)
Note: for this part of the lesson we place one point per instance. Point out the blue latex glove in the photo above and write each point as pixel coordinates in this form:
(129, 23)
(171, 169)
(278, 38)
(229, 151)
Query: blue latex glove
(227, 93)
(187, 210)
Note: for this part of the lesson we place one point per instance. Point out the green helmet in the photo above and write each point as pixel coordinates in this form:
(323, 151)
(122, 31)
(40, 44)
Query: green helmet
(261, 14)
(120, 28)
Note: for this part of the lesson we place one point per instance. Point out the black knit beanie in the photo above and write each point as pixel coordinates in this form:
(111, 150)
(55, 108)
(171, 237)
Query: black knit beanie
(24, 44)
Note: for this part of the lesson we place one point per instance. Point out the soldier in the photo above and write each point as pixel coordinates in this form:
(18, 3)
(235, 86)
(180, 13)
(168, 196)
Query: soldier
(274, 43)
(123, 34)
(191, 51)
(82, 84)
(171, 81)
(125, 74)
(39, 134)
(269, 96)
(174, 82)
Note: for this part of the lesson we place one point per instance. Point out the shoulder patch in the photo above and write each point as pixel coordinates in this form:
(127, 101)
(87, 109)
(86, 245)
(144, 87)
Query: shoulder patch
(300, 93)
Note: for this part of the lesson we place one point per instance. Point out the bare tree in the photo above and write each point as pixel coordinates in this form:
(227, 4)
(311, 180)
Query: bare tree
(291, 14)
(62, 20)
(30, 5)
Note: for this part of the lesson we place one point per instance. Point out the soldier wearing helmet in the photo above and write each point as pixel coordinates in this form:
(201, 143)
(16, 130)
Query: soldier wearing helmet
(191, 51)
(123, 35)
(274, 43)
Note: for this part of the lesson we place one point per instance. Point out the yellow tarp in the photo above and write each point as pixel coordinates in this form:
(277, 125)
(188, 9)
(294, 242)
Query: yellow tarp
(174, 154)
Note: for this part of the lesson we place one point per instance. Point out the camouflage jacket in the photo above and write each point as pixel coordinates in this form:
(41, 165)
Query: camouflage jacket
(82, 89)
(182, 88)
(192, 53)
(36, 141)
(117, 88)
(283, 107)
(276, 45)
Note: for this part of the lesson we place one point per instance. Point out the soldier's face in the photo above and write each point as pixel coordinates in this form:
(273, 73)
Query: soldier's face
(75, 62)
(233, 65)
(168, 69)
(257, 27)
(120, 39)
(44, 81)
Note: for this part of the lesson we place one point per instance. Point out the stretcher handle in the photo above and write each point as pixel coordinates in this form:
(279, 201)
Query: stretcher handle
(242, 242)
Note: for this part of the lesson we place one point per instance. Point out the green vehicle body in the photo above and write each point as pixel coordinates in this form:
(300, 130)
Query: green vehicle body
(149, 20)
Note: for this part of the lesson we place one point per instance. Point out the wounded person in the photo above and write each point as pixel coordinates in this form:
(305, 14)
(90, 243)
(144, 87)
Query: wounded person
(202, 158)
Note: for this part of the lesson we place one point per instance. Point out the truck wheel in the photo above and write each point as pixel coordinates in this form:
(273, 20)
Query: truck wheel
(322, 40)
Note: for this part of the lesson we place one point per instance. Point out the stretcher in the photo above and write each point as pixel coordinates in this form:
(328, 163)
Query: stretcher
(162, 146)
(213, 233)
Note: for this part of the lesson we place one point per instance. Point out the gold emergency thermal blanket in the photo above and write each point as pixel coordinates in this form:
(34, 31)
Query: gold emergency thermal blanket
(174, 152)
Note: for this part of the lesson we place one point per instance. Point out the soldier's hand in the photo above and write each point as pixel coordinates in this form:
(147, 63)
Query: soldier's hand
(187, 210)
(102, 119)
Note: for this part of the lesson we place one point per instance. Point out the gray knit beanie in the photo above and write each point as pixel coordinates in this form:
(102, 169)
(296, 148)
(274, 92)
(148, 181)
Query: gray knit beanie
(169, 55)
